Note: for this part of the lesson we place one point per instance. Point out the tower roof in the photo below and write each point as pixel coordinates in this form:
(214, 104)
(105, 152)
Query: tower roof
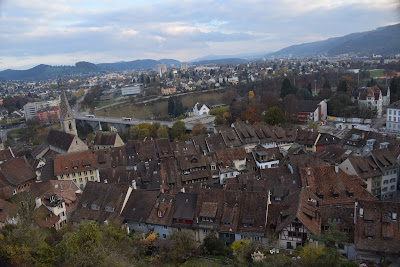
(65, 110)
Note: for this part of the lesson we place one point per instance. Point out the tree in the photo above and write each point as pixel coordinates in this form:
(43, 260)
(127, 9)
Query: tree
(162, 132)
(171, 106)
(342, 87)
(178, 131)
(198, 129)
(274, 116)
(148, 79)
(287, 88)
(304, 93)
(309, 87)
(326, 84)
(213, 245)
(251, 95)
(183, 245)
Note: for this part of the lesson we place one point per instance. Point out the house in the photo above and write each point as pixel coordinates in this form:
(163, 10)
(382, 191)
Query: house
(311, 110)
(137, 210)
(184, 210)
(103, 141)
(8, 213)
(163, 148)
(333, 186)
(230, 162)
(170, 173)
(393, 117)
(168, 90)
(101, 203)
(366, 169)
(308, 139)
(199, 109)
(252, 218)
(389, 167)
(295, 219)
(193, 169)
(326, 140)
(60, 197)
(45, 218)
(266, 158)
(362, 142)
(160, 218)
(16, 176)
(265, 135)
(333, 154)
(79, 167)
(371, 97)
(60, 143)
(230, 137)
(215, 211)
(247, 135)
(377, 231)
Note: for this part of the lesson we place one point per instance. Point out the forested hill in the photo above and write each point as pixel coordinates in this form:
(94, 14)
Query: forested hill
(383, 41)
(45, 72)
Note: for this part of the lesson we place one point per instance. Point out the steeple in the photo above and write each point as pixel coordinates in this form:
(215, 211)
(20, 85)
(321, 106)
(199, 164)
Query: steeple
(66, 117)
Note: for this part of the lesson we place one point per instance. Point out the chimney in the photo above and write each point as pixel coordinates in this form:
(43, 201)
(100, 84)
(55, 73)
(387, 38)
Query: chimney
(336, 168)
(134, 184)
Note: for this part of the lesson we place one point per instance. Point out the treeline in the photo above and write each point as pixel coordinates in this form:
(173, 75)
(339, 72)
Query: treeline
(91, 244)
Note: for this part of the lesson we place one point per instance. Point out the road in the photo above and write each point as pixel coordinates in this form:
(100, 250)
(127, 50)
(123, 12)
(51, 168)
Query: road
(134, 121)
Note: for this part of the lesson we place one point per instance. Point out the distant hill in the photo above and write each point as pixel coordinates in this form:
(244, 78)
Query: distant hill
(140, 64)
(384, 41)
(222, 61)
(46, 72)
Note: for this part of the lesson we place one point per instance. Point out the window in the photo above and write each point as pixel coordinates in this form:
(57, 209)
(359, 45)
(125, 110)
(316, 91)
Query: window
(390, 112)
(392, 188)
(393, 180)
(61, 176)
(67, 175)
(74, 180)
(91, 171)
(86, 179)
(390, 118)
(205, 231)
(73, 175)
(80, 180)
(164, 236)
(14, 191)
(91, 178)
(386, 182)
(165, 227)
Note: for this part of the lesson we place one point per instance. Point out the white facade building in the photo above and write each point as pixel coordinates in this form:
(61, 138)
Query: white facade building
(200, 111)
(132, 90)
(393, 117)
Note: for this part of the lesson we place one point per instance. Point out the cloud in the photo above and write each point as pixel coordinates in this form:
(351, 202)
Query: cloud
(57, 32)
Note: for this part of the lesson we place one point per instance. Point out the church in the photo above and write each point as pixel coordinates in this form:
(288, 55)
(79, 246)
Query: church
(64, 141)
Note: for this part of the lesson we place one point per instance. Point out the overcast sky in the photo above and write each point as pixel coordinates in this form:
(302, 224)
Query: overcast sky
(62, 32)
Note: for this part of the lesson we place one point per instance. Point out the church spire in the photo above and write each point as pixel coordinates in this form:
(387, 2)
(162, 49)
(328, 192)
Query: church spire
(66, 117)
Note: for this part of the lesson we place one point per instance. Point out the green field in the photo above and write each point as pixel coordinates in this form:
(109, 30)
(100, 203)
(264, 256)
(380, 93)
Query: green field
(159, 109)
(376, 73)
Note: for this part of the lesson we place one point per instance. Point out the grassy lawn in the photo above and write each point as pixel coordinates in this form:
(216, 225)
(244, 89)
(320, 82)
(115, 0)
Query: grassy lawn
(158, 109)
(376, 73)
(201, 262)
(103, 103)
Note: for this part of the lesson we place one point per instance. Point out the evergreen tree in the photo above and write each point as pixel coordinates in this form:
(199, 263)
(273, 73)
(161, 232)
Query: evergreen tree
(287, 88)
(309, 87)
(171, 106)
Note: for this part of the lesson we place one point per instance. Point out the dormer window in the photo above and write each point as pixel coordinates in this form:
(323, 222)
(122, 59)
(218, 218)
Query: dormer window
(361, 212)
(160, 214)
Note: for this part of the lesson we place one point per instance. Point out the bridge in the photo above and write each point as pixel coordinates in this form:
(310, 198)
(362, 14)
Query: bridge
(121, 124)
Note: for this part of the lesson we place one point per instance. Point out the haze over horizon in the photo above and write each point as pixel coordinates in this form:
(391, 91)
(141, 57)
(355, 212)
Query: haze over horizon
(63, 32)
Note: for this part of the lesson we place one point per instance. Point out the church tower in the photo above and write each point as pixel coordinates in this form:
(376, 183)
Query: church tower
(66, 117)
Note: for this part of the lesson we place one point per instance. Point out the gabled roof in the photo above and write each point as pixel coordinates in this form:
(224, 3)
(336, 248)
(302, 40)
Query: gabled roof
(103, 139)
(7, 210)
(100, 202)
(215, 142)
(227, 156)
(334, 154)
(60, 139)
(365, 167)
(302, 205)
(307, 105)
(139, 206)
(332, 187)
(17, 171)
(384, 159)
(246, 133)
(162, 210)
(164, 148)
(74, 162)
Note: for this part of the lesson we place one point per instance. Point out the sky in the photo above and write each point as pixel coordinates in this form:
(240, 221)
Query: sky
(63, 32)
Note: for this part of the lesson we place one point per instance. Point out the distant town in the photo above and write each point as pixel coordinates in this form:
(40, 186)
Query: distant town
(284, 161)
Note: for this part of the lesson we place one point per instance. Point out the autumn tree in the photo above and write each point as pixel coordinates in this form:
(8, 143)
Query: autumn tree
(178, 131)
(198, 129)
(251, 95)
(162, 132)
(183, 245)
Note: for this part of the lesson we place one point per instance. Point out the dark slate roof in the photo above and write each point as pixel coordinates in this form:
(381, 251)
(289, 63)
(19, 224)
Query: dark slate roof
(139, 205)
(185, 206)
(327, 139)
(307, 105)
(60, 139)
